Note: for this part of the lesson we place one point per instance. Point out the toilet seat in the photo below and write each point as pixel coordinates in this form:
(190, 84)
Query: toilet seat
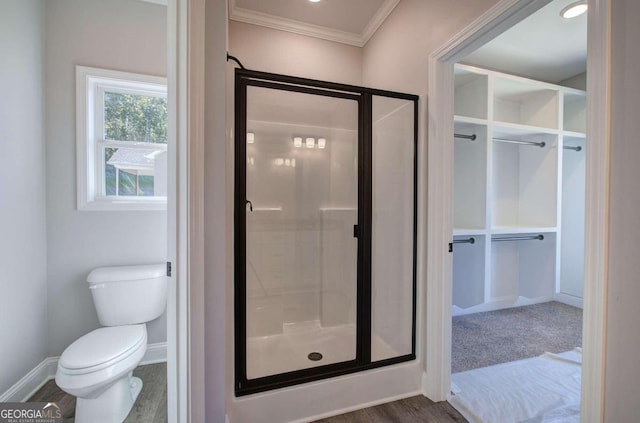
(103, 348)
(118, 349)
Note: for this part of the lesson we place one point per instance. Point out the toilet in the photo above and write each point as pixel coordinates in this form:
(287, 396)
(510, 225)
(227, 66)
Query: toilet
(98, 367)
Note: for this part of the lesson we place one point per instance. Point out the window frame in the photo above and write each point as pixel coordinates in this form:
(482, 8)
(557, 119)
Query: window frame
(91, 84)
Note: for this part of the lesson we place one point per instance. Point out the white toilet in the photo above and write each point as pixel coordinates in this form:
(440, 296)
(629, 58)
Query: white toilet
(98, 367)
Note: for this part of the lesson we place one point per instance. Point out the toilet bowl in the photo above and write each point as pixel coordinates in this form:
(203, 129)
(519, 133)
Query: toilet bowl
(98, 367)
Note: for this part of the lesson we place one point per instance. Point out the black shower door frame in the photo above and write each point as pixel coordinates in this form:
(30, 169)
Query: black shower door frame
(364, 98)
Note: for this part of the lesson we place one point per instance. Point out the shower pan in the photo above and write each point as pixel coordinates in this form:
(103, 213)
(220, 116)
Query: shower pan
(325, 229)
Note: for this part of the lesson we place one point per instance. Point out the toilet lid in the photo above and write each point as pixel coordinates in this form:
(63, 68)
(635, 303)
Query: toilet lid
(103, 345)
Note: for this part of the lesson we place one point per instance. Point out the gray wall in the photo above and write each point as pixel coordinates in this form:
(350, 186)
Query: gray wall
(271, 50)
(622, 378)
(127, 35)
(397, 56)
(23, 285)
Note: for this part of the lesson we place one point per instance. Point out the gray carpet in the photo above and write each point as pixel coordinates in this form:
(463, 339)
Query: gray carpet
(485, 339)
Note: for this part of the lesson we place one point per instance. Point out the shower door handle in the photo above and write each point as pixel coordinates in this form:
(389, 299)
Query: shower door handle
(250, 205)
(356, 231)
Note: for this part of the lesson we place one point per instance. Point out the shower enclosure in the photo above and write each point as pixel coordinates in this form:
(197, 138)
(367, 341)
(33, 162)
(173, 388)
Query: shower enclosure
(325, 222)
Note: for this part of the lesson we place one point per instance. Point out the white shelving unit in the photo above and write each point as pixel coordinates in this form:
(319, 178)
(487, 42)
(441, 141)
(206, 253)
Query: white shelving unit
(517, 179)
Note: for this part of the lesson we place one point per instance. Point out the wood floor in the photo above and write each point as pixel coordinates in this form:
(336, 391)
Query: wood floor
(150, 407)
(410, 410)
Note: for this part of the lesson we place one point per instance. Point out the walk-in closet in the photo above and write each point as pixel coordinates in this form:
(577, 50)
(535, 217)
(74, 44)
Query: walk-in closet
(519, 191)
(519, 200)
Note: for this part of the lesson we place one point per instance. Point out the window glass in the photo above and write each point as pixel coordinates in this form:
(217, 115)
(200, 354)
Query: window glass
(133, 172)
(121, 140)
(130, 117)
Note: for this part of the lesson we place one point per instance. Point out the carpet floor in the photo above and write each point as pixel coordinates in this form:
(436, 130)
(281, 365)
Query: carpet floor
(494, 337)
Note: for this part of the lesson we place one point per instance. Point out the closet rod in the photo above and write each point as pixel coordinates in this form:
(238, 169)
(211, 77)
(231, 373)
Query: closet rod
(539, 144)
(519, 238)
(570, 147)
(471, 137)
(470, 240)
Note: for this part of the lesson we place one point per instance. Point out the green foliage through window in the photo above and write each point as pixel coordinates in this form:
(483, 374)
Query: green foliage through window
(138, 118)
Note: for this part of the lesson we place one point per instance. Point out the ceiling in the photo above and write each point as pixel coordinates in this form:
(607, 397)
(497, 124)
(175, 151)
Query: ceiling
(346, 21)
(544, 46)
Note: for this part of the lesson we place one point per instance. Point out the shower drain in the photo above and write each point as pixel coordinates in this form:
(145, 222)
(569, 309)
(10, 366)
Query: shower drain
(315, 356)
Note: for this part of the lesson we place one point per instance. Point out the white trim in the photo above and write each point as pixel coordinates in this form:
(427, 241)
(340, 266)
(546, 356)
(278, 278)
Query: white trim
(493, 22)
(597, 210)
(179, 380)
(30, 383)
(160, 2)
(568, 299)
(303, 28)
(378, 19)
(499, 18)
(90, 86)
(437, 379)
(345, 410)
(156, 353)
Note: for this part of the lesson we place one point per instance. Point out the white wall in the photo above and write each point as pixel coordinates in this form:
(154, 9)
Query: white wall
(23, 288)
(622, 377)
(127, 35)
(397, 56)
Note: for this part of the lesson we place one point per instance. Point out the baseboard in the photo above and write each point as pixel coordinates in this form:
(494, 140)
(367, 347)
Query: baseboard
(502, 303)
(156, 353)
(334, 413)
(569, 299)
(23, 389)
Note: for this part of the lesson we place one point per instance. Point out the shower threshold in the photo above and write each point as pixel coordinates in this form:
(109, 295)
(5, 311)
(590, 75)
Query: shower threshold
(289, 351)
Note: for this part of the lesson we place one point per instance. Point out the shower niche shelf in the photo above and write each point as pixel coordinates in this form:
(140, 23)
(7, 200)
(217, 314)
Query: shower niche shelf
(522, 176)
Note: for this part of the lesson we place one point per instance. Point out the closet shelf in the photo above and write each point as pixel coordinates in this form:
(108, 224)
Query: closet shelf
(503, 190)
(520, 129)
(573, 134)
(518, 230)
(466, 119)
(468, 231)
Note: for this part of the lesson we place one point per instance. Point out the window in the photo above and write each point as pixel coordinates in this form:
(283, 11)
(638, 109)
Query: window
(122, 140)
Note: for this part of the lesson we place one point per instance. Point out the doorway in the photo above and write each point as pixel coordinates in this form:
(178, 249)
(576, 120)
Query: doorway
(441, 132)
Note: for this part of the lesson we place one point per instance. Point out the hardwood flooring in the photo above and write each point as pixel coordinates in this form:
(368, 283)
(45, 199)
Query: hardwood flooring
(410, 410)
(150, 407)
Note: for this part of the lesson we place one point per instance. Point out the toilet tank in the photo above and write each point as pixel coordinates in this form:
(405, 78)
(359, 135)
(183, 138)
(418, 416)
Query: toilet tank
(126, 295)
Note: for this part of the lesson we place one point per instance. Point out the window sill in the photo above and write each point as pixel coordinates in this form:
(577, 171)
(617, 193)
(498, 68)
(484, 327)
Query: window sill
(107, 204)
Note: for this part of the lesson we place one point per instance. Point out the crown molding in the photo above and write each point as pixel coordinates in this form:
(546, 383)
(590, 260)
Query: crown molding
(378, 19)
(298, 27)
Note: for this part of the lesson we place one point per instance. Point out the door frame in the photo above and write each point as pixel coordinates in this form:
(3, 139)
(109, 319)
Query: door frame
(186, 314)
(502, 16)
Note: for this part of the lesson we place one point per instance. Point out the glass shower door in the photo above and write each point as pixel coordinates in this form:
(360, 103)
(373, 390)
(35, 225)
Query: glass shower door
(325, 221)
(301, 206)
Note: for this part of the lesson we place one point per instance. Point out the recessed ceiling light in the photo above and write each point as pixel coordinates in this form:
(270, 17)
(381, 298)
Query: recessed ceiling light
(314, 1)
(574, 9)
